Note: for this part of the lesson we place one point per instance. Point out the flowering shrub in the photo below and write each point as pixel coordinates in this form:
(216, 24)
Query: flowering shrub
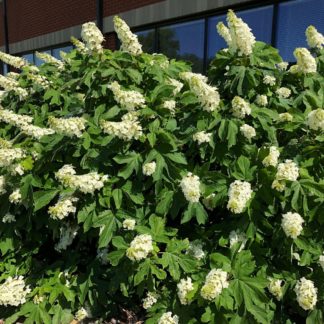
(129, 182)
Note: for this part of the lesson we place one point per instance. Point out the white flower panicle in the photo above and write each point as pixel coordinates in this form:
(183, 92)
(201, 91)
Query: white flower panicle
(224, 32)
(13, 85)
(315, 119)
(272, 158)
(149, 168)
(38, 299)
(207, 95)
(291, 224)
(239, 194)
(15, 61)
(10, 155)
(67, 235)
(73, 126)
(306, 63)
(240, 107)
(287, 170)
(261, 100)
(129, 41)
(185, 286)
(127, 129)
(48, 58)
(285, 117)
(129, 224)
(195, 249)
(278, 185)
(3, 185)
(80, 46)
(4, 143)
(306, 293)
(39, 80)
(176, 84)
(215, 282)
(190, 186)
(15, 197)
(8, 218)
(13, 75)
(237, 237)
(86, 183)
(63, 208)
(11, 118)
(282, 66)
(36, 132)
(314, 38)
(13, 291)
(140, 247)
(248, 131)
(81, 314)
(170, 105)
(242, 39)
(283, 92)
(149, 300)
(275, 288)
(128, 99)
(92, 37)
(16, 169)
(269, 80)
(202, 137)
(167, 318)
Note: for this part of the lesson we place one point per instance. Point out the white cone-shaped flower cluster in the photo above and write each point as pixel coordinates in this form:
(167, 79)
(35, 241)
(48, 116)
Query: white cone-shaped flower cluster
(17, 120)
(261, 100)
(306, 63)
(92, 37)
(8, 218)
(287, 170)
(129, 41)
(306, 293)
(176, 84)
(80, 46)
(167, 318)
(67, 235)
(202, 137)
(269, 80)
(73, 126)
(12, 85)
(240, 107)
(195, 249)
(315, 119)
(224, 32)
(190, 186)
(185, 286)
(215, 282)
(237, 237)
(149, 168)
(15, 61)
(170, 105)
(140, 247)
(13, 291)
(285, 117)
(63, 208)
(48, 58)
(291, 224)
(283, 92)
(15, 197)
(248, 131)
(239, 194)
(39, 80)
(149, 300)
(36, 132)
(207, 95)
(272, 158)
(127, 129)
(9, 155)
(275, 288)
(12, 75)
(3, 183)
(129, 224)
(314, 38)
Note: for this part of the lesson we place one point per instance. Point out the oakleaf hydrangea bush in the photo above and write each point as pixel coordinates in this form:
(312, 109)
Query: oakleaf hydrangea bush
(127, 182)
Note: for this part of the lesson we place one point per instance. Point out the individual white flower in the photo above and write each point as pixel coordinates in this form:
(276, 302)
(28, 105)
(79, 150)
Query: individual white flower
(195, 249)
(129, 224)
(202, 137)
(63, 208)
(291, 224)
(275, 288)
(282, 66)
(315, 119)
(149, 168)
(15, 197)
(242, 38)
(170, 105)
(306, 294)
(13, 291)
(92, 37)
(248, 131)
(167, 318)
(237, 237)
(272, 158)
(129, 41)
(239, 194)
(10, 155)
(128, 99)
(185, 286)
(321, 261)
(314, 38)
(67, 235)
(127, 129)
(102, 255)
(283, 92)
(215, 282)
(8, 218)
(73, 126)
(285, 117)
(306, 63)
(190, 186)
(207, 95)
(269, 80)
(261, 100)
(36, 132)
(17, 120)
(224, 32)
(240, 107)
(15, 61)
(287, 170)
(3, 183)
(48, 58)
(13, 85)
(81, 314)
(140, 247)
(149, 300)
(176, 84)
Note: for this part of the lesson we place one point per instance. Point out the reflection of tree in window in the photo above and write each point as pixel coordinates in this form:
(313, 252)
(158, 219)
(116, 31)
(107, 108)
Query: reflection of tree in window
(147, 39)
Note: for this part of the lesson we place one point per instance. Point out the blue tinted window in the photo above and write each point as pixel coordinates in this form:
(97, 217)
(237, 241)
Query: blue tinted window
(184, 41)
(293, 19)
(56, 51)
(258, 19)
(5, 69)
(38, 61)
(29, 57)
(147, 39)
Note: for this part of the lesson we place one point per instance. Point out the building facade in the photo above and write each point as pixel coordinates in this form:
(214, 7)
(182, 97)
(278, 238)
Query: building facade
(182, 29)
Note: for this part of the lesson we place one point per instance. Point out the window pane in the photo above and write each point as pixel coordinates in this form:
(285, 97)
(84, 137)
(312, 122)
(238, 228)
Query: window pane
(293, 19)
(38, 61)
(5, 69)
(29, 57)
(258, 19)
(184, 41)
(56, 51)
(147, 39)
